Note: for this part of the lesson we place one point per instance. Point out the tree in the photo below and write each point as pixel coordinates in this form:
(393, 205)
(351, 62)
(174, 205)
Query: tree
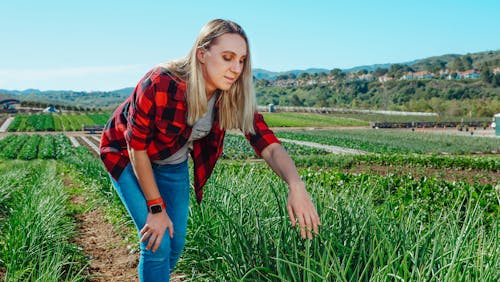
(282, 77)
(380, 72)
(467, 62)
(496, 80)
(336, 72)
(362, 71)
(486, 75)
(304, 75)
(457, 65)
(295, 101)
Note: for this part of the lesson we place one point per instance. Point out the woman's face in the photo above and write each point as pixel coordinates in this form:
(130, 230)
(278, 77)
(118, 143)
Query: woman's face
(223, 62)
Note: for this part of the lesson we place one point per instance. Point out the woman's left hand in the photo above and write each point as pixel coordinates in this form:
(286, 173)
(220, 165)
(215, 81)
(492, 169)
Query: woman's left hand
(302, 210)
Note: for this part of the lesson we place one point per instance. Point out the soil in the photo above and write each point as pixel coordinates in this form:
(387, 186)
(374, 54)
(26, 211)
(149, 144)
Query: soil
(109, 259)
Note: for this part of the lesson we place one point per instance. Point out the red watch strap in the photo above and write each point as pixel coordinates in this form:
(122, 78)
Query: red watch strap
(156, 202)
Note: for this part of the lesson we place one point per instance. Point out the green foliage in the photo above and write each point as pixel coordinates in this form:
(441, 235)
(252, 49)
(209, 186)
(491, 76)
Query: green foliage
(236, 147)
(28, 147)
(373, 228)
(455, 97)
(35, 242)
(56, 122)
(285, 119)
(397, 141)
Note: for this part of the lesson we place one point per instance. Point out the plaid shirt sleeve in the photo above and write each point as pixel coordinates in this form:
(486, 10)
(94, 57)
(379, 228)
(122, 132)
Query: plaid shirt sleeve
(141, 116)
(263, 136)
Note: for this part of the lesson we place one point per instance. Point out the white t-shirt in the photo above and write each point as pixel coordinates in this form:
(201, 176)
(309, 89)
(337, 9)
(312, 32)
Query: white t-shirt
(200, 129)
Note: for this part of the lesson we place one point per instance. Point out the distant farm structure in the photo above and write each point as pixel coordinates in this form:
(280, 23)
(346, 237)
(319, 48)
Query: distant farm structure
(8, 105)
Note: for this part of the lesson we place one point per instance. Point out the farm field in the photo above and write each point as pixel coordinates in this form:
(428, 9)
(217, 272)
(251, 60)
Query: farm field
(418, 207)
(55, 122)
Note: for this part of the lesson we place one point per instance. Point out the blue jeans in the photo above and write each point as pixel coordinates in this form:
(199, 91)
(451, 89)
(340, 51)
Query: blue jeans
(173, 184)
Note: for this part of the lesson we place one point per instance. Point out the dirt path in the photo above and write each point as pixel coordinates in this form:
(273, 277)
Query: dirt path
(328, 148)
(109, 258)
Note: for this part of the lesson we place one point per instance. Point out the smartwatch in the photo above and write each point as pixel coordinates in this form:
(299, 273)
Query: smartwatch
(157, 208)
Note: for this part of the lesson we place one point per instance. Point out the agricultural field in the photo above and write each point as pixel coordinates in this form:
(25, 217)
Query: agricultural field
(284, 119)
(398, 141)
(55, 122)
(415, 207)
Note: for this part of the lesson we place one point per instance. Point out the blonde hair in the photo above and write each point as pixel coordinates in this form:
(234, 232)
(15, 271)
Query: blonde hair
(236, 105)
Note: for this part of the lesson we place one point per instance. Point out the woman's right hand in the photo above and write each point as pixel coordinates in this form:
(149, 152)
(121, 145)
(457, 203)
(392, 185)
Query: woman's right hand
(154, 229)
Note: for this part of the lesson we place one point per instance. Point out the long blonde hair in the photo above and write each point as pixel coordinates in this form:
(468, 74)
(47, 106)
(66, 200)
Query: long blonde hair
(236, 105)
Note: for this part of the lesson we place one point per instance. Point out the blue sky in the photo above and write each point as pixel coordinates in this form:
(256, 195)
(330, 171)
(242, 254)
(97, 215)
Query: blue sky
(107, 45)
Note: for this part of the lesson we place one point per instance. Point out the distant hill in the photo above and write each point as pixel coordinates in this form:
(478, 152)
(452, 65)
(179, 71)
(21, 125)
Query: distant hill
(113, 98)
(491, 58)
(270, 75)
(93, 99)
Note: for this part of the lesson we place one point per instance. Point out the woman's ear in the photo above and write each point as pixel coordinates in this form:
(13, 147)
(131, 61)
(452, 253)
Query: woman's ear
(200, 54)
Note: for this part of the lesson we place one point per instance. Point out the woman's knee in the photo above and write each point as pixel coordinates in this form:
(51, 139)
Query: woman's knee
(161, 254)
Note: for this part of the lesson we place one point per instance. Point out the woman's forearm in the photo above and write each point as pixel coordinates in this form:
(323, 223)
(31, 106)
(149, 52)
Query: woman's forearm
(142, 168)
(281, 163)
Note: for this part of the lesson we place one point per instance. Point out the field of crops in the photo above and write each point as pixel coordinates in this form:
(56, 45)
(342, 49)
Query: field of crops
(398, 141)
(375, 227)
(285, 119)
(55, 122)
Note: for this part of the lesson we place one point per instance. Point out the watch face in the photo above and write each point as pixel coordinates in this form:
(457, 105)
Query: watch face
(155, 208)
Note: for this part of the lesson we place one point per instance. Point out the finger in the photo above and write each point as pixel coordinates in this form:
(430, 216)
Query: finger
(157, 243)
(170, 227)
(291, 215)
(308, 226)
(144, 229)
(315, 226)
(302, 227)
(152, 240)
(145, 236)
(316, 217)
(316, 222)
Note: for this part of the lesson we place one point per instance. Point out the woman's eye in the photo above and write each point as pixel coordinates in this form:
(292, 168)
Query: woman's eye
(227, 59)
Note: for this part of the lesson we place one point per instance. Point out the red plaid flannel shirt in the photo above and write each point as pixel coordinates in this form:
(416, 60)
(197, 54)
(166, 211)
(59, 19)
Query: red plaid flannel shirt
(153, 118)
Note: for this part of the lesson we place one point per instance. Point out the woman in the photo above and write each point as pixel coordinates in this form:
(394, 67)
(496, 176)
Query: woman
(184, 107)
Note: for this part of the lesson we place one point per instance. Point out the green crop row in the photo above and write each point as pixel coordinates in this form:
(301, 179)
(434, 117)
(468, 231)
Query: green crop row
(35, 242)
(374, 228)
(53, 122)
(397, 141)
(289, 119)
(487, 163)
(29, 147)
(236, 147)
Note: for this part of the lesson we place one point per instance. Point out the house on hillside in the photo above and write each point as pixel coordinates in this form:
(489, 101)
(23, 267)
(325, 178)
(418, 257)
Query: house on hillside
(423, 75)
(418, 75)
(351, 77)
(444, 73)
(366, 77)
(407, 76)
(496, 70)
(469, 74)
(384, 78)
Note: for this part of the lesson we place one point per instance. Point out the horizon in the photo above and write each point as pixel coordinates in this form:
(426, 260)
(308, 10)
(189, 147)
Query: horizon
(57, 46)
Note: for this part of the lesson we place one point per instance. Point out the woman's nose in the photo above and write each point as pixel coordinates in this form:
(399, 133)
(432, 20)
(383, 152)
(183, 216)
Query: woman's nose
(236, 67)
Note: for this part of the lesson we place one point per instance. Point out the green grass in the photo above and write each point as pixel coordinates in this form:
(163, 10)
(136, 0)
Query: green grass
(309, 120)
